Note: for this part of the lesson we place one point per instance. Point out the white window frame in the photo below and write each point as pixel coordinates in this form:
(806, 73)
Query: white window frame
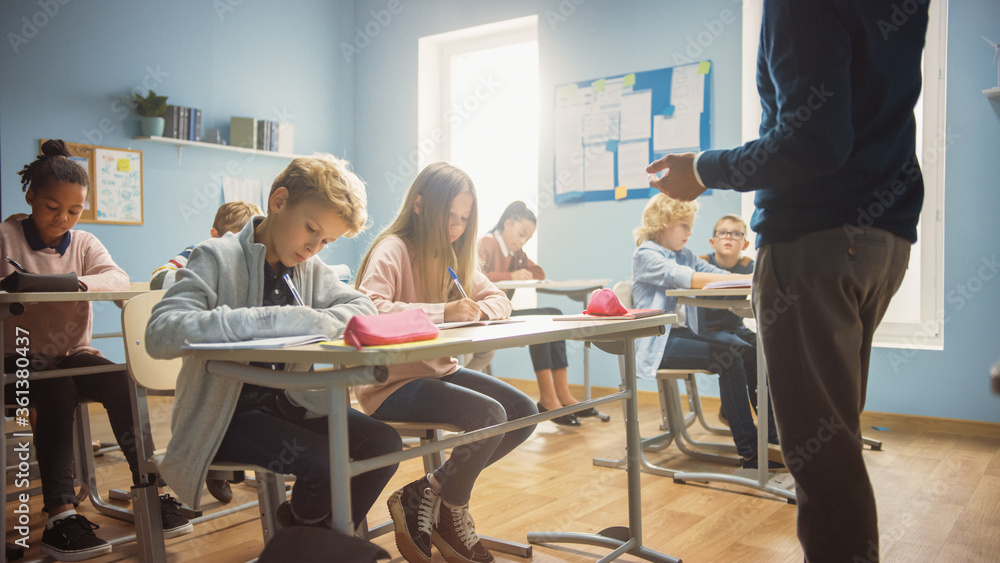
(434, 54)
(928, 332)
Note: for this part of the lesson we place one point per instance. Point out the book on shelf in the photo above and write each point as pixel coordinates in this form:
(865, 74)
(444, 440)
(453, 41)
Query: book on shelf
(171, 119)
(457, 324)
(195, 125)
(258, 343)
(286, 138)
(631, 314)
(184, 124)
(243, 132)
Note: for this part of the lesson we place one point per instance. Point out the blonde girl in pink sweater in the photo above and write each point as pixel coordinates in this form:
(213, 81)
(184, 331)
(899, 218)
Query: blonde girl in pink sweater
(407, 268)
(57, 336)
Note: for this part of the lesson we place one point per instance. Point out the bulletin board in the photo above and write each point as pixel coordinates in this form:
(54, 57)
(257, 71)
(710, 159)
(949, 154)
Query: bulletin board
(115, 194)
(607, 130)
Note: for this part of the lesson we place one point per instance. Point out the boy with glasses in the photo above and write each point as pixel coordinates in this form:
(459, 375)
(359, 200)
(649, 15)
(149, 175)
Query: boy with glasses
(729, 240)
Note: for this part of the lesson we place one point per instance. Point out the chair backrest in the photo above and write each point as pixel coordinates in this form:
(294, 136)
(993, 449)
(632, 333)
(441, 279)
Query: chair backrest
(147, 372)
(623, 290)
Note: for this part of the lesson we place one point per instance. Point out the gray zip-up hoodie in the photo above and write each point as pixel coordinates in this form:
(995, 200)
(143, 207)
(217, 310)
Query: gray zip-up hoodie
(217, 298)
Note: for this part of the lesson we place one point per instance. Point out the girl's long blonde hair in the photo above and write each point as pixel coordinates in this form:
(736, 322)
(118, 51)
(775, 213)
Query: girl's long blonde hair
(426, 233)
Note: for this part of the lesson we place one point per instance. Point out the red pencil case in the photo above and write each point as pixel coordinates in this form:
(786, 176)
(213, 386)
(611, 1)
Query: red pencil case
(390, 328)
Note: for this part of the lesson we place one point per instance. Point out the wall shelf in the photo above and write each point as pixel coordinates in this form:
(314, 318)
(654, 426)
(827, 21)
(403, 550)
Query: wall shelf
(181, 143)
(992, 93)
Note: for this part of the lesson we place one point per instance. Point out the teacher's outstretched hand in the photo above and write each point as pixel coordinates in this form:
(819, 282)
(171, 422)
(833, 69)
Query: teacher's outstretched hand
(679, 181)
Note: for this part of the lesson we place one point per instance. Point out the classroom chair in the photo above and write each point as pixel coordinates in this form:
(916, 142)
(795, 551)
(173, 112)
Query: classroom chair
(674, 421)
(159, 377)
(430, 433)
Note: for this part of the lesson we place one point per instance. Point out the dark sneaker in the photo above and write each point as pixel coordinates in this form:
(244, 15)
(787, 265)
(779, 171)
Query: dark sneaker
(286, 519)
(456, 539)
(73, 539)
(220, 490)
(413, 509)
(751, 463)
(173, 523)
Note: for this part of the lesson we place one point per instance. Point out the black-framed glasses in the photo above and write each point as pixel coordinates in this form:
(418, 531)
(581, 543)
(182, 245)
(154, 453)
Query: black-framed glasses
(735, 235)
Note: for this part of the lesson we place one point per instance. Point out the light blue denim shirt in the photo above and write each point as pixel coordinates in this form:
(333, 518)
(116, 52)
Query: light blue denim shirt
(656, 269)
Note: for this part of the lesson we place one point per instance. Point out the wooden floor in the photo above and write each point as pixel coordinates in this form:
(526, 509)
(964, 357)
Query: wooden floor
(938, 497)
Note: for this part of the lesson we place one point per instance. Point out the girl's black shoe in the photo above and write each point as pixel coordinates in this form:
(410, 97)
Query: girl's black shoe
(565, 420)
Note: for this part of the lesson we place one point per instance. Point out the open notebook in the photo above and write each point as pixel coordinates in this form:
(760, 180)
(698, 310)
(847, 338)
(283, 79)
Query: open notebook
(256, 343)
(457, 324)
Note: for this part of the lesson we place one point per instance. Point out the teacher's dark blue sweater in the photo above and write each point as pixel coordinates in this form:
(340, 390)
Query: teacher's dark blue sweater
(838, 80)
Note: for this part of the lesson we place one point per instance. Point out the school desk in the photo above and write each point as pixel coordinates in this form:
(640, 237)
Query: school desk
(710, 298)
(615, 336)
(10, 308)
(577, 290)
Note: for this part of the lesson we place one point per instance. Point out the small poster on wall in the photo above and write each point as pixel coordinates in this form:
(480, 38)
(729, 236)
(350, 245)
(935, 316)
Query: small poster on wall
(115, 194)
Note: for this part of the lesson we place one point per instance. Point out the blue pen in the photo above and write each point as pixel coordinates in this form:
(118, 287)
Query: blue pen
(458, 283)
(295, 292)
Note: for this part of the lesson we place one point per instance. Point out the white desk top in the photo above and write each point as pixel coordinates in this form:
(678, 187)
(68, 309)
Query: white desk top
(136, 288)
(457, 341)
(552, 284)
(727, 292)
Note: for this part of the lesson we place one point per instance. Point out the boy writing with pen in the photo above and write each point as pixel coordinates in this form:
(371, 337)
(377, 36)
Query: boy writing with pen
(241, 287)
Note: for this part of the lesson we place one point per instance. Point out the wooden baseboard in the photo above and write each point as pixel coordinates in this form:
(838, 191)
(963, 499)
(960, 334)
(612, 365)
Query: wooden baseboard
(893, 421)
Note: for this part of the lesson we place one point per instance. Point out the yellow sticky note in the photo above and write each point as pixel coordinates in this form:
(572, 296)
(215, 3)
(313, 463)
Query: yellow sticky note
(599, 85)
(704, 66)
(629, 80)
(567, 90)
(124, 165)
(621, 192)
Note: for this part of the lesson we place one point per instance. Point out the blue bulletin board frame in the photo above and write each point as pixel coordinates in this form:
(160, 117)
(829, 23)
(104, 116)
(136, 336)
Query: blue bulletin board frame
(592, 97)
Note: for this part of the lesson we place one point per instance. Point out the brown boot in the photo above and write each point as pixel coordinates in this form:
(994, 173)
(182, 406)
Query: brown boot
(456, 539)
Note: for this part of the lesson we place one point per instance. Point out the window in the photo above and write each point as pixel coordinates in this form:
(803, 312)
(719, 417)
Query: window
(915, 317)
(478, 106)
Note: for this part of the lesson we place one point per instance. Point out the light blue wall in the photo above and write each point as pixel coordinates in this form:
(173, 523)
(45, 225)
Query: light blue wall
(255, 59)
(258, 58)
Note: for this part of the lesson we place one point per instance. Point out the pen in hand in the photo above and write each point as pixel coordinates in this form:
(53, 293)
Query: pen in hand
(14, 263)
(458, 283)
(295, 292)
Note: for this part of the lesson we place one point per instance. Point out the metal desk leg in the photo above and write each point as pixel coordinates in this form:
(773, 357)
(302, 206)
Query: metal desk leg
(620, 539)
(340, 469)
(761, 482)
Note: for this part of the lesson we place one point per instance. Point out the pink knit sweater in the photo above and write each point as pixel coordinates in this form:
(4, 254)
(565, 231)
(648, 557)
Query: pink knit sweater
(390, 283)
(58, 329)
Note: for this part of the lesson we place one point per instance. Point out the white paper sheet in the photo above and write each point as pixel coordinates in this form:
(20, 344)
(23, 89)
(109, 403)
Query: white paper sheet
(679, 131)
(632, 161)
(636, 115)
(687, 90)
(601, 126)
(599, 168)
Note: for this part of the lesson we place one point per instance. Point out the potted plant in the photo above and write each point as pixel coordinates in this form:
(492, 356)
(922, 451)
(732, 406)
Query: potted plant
(151, 108)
